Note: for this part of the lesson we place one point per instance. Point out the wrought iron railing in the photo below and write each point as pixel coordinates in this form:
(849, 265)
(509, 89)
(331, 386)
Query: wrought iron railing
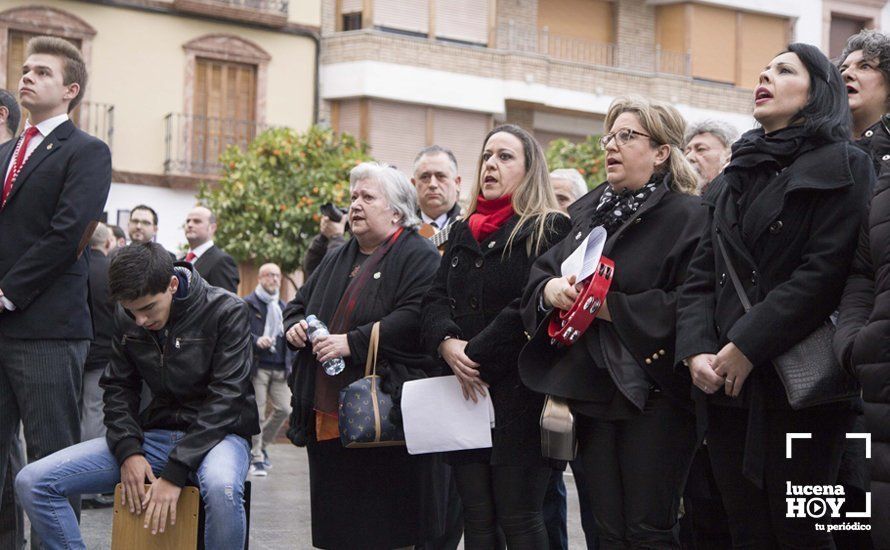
(580, 50)
(527, 38)
(193, 143)
(96, 119)
(668, 62)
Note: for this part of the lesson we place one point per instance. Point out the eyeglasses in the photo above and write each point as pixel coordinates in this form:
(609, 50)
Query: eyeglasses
(621, 136)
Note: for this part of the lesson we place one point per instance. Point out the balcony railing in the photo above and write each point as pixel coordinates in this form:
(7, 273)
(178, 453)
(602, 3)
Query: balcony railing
(266, 12)
(96, 119)
(580, 50)
(668, 62)
(527, 38)
(193, 143)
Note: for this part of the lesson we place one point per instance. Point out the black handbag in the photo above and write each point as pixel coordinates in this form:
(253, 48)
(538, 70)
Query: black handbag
(809, 370)
(364, 408)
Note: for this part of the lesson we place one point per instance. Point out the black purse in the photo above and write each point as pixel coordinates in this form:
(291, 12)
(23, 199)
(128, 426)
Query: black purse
(809, 370)
(364, 412)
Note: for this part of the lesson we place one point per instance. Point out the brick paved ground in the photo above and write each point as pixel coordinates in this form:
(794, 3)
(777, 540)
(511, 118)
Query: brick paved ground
(280, 508)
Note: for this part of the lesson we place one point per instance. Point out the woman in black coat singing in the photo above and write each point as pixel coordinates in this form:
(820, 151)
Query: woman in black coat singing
(635, 428)
(377, 498)
(471, 319)
(786, 214)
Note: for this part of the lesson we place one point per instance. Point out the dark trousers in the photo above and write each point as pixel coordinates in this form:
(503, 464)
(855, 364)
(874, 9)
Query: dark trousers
(40, 385)
(636, 470)
(511, 497)
(454, 521)
(704, 524)
(556, 510)
(12, 517)
(757, 517)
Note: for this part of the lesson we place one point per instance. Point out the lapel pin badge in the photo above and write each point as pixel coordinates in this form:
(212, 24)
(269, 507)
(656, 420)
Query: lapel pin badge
(49, 147)
(377, 275)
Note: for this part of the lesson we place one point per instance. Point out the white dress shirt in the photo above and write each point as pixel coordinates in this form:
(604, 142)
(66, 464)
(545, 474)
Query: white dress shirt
(200, 250)
(441, 221)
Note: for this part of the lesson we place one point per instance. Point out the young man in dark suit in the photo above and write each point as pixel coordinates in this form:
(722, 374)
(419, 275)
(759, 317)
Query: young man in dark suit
(55, 182)
(217, 267)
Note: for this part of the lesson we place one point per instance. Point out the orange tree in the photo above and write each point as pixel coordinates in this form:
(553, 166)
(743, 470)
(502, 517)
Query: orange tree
(586, 156)
(268, 197)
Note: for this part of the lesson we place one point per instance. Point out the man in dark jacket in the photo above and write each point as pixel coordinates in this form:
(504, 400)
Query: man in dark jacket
(190, 342)
(271, 363)
(217, 267)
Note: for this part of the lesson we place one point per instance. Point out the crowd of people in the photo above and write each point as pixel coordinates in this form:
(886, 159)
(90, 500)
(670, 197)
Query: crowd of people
(742, 263)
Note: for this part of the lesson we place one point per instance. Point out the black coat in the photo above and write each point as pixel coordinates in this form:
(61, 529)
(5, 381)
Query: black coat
(199, 378)
(218, 269)
(793, 266)
(862, 340)
(475, 297)
(651, 252)
(44, 228)
(102, 310)
(376, 498)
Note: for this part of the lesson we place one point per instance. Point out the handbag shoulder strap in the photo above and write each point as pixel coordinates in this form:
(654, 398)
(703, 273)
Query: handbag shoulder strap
(736, 282)
(371, 363)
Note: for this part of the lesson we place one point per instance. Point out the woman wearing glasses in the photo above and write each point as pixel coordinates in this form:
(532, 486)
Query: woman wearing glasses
(633, 417)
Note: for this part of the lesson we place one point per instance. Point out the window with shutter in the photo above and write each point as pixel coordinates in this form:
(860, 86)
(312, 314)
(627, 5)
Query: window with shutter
(349, 120)
(396, 132)
(725, 45)
(412, 16)
(224, 110)
(463, 132)
(463, 20)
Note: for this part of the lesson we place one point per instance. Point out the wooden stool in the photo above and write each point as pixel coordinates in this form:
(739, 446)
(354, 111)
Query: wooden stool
(128, 533)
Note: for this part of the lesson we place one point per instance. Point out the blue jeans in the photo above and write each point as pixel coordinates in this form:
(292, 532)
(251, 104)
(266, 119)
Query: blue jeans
(43, 487)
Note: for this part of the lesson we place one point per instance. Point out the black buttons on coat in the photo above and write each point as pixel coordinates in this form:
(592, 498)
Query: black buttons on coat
(722, 279)
(776, 227)
(474, 303)
(479, 262)
(454, 261)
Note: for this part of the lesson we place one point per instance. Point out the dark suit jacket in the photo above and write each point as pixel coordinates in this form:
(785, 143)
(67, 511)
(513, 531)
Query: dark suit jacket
(102, 309)
(218, 269)
(44, 228)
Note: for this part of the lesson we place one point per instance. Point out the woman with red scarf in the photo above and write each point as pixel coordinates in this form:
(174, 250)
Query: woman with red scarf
(470, 318)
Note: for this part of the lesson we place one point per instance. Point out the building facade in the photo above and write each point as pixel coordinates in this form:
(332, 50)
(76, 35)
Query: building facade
(404, 73)
(172, 83)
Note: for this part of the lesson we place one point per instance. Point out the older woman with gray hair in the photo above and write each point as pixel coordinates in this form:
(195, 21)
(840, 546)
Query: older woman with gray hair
(568, 186)
(375, 498)
(708, 148)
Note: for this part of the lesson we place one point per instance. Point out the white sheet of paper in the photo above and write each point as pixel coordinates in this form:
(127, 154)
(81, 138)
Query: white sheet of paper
(583, 261)
(437, 418)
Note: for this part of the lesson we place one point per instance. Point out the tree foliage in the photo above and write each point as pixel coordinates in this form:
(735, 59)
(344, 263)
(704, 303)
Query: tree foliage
(268, 198)
(587, 157)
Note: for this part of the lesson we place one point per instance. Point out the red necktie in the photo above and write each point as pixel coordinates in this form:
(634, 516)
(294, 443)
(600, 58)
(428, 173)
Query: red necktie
(190, 257)
(21, 154)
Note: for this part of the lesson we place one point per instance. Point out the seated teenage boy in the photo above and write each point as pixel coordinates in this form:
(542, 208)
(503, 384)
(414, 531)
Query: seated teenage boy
(190, 342)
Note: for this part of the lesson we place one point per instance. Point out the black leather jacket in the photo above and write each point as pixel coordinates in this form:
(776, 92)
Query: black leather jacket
(199, 377)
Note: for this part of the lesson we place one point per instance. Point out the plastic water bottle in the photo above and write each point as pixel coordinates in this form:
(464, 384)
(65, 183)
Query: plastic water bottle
(332, 367)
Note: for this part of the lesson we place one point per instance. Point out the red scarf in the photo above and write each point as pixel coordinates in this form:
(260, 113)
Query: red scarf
(490, 215)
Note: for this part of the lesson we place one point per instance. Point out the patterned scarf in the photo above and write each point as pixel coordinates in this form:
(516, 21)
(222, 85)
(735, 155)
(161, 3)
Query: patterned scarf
(616, 208)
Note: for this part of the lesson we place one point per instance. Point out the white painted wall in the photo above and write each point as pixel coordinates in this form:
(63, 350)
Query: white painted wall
(172, 206)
